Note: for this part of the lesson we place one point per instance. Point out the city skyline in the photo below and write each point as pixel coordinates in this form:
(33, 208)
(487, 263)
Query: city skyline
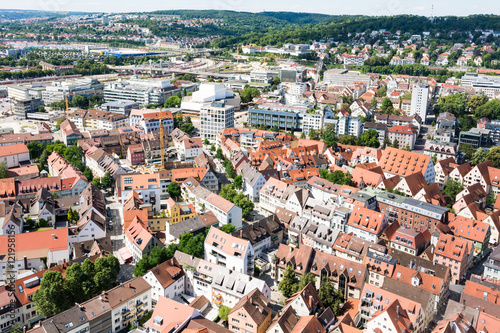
(363, 7)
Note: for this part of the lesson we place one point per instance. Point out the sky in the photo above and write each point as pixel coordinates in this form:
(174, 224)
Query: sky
(335, 7)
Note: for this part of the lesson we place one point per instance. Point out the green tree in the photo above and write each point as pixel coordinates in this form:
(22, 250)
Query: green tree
(478, 157)
(36, 149)
(386, 143)
(58, 125)
(249, 93)
(228, 167)
(452, 188)
(88, 174)
(305, 279)
(51, 298)
(174, 190)
(73, 215)
(494, 156)
(329, 296)
(467, 149)
(337, 177)
(238, 182)
(172, 102)
(395, 144)
(75, 278)
(206, 142)
(386, 105)
(228, 228)
(476, 101)
(490, 110)
(212, 147)
(88, 269)
(79, 101)
(97, 183)
(434, 159)
(107, 180)
(313, 135)
(302, 135)
(4, 171)
(42, 223)
(347, 140)
(374, 103)
(369, 138)
(224, 312)
(381, 92)
(15, 329)
(219, 154)
(289, 283)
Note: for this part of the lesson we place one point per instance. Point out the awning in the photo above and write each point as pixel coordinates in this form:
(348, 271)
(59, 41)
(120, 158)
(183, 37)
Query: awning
(125, 254)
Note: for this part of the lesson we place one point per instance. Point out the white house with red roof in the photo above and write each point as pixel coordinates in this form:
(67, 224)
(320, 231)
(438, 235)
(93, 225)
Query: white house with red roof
(139, 239)
(34, 246)
(366, 224)
(13, 155)
(406, 135)
(150, 120)
(232, 252)
(166, 280)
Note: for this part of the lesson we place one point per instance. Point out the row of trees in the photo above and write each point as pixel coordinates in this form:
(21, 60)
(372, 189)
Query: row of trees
(188, 243)
(480, 155)
(78, 101)
(58, 293)
(74, 155)
(329, 296)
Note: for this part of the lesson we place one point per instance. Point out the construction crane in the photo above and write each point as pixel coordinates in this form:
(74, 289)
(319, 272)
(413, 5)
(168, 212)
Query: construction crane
(67, 107)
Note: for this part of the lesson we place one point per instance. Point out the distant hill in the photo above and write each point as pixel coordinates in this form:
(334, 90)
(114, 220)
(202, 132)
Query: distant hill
(17, 14)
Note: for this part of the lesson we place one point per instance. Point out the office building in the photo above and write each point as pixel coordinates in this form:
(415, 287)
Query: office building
(59, 90)
(488, 85)
(140, 91)
(344, 77)
(215, 117)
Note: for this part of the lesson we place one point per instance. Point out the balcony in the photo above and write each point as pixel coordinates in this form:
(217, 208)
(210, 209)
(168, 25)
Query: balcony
(127, 312)
(217, 301)
(216, 295)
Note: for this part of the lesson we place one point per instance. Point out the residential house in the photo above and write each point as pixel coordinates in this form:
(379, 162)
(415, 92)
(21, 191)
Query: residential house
(166, 280)
(405, 135)
(139, 239)
(264, 234)
(366, 224)
(225, 211)
(454, 252)
(397, 162)
(253, 181)
(411, 184)
(477, 232)
(229, 251)
(251, 314)
(14, 155)
(410, 240)
(395, 318)
(147, 187)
